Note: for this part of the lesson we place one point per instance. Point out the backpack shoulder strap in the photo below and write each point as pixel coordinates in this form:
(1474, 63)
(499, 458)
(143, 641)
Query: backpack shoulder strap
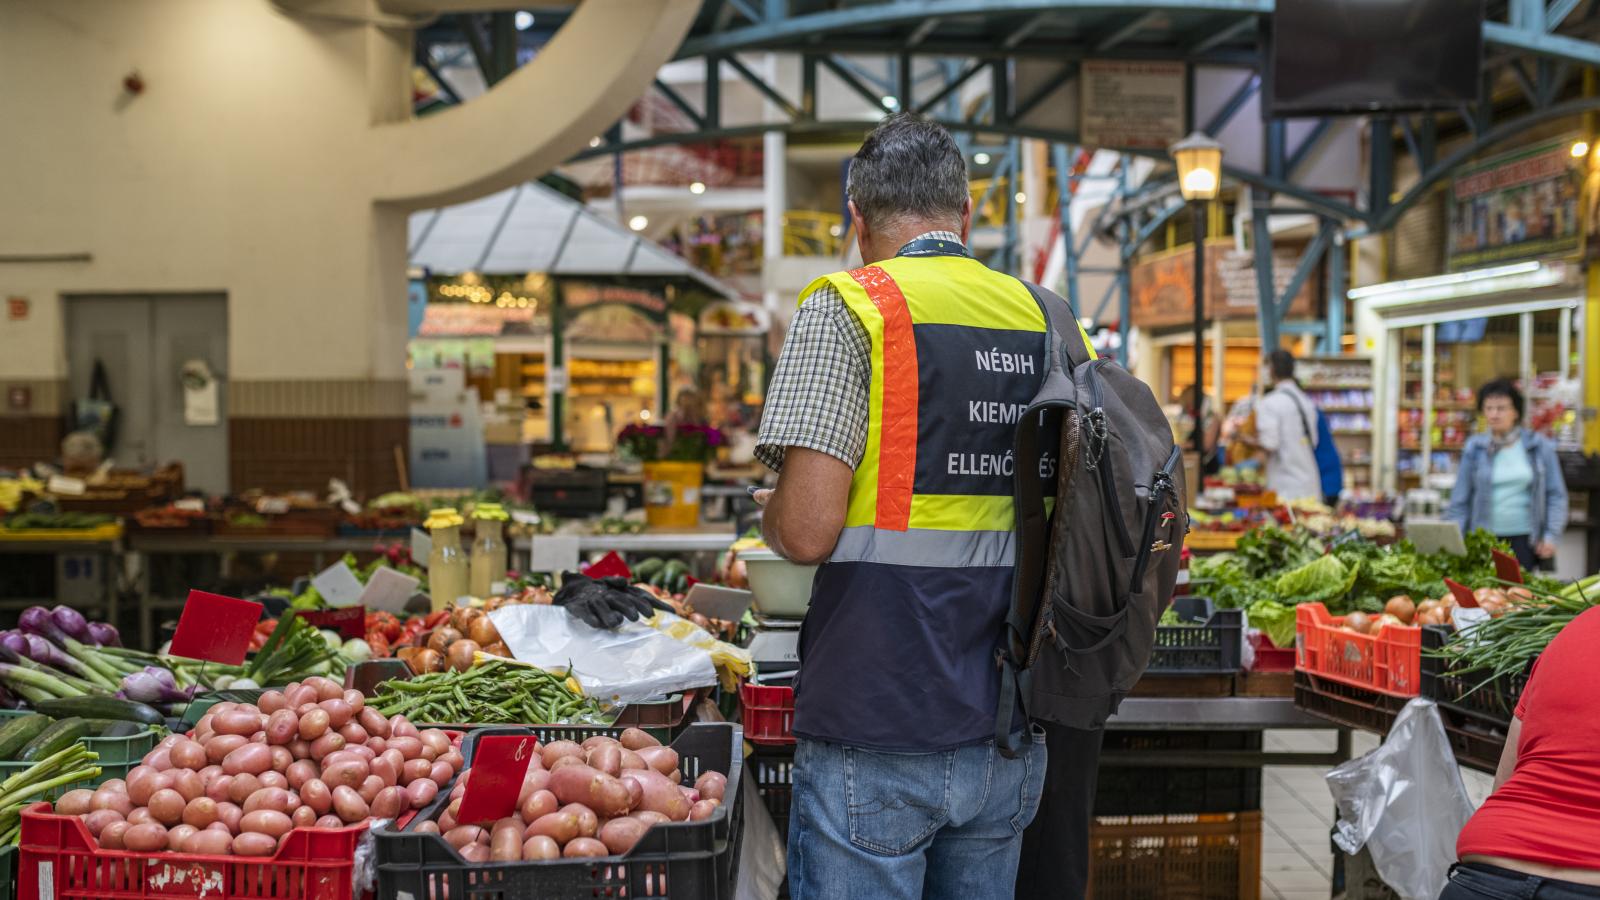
(1063, 321)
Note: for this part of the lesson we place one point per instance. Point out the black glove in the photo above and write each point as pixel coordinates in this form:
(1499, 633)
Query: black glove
(605, 602)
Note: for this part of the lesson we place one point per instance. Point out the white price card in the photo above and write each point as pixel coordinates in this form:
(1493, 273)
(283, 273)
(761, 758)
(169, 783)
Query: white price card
(190, 504)
(388, 590)
(555, 553)
(338, 585)
(421, 547)
(1466, 619)
(61, 484)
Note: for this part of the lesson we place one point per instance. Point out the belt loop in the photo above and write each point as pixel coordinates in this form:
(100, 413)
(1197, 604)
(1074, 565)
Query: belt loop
(1530, 886)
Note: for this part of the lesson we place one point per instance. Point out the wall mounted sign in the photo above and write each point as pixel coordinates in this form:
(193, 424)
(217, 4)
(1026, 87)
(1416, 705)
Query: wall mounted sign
(1519, 205)
(1132, 104)
(1161, 286)
(17, 308)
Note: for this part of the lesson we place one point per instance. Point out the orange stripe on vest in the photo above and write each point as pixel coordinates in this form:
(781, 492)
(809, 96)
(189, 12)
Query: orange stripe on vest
(897, 422)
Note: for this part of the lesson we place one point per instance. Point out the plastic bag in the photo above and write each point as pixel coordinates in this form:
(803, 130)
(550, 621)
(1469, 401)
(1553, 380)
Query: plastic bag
(634, 662)
(1405, 802)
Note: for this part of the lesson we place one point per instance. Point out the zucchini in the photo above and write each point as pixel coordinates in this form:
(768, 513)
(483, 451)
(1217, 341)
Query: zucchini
(18, 732)
(647, 568)
(111, 729)
(59, 736)
(100, 708)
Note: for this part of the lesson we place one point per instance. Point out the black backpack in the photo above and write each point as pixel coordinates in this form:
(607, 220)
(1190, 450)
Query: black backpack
(1094, 575)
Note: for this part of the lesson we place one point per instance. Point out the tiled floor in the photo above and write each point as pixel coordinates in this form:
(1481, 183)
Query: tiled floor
(1296, 858)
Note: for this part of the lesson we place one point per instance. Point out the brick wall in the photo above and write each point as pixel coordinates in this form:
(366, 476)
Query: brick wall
(303, 453)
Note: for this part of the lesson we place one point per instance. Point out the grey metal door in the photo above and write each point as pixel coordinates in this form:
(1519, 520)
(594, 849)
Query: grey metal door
(144, 342)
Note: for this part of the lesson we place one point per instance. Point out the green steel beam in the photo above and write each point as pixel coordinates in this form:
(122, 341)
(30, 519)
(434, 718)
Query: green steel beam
(1236, 102)
(1222, 35)
(951, 86)
(1050, 86)
(852, 82)
(678, 101)
(1127, 30)
(1558, 12)
(1542, 43)
(766, 90)
(1307, 144)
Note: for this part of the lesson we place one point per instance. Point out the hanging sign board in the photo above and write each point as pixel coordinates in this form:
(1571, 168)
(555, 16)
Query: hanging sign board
(1520, 205)
(1132, 104)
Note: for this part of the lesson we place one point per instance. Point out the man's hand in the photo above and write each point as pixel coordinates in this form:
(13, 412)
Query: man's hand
(1545, 550)
(805, 514)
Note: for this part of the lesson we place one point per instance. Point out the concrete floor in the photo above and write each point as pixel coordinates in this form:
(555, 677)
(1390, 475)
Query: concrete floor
(1298, 812)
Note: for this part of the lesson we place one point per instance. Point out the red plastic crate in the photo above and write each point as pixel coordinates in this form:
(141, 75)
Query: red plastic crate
(767, 713)
(1389, 662)
(1269, 656)
(312, 864)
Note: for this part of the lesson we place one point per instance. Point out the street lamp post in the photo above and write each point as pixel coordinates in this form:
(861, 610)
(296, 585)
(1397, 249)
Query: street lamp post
(1199, 159)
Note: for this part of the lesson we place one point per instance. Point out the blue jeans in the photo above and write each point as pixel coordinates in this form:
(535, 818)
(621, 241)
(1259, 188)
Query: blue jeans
(910, 826)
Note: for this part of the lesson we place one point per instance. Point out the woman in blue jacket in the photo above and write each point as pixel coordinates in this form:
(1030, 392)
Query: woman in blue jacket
(1510, 481)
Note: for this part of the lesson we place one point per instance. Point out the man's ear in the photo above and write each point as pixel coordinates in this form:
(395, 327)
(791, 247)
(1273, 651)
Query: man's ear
(966, 218)
(863, 234)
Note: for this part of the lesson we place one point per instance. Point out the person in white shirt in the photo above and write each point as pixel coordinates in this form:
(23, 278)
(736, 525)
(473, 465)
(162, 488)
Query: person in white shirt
(1286, 430)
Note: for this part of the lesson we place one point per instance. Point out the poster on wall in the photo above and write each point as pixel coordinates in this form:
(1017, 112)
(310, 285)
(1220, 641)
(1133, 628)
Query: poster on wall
(1161, 285)
(1520, 205)
(1132, 104)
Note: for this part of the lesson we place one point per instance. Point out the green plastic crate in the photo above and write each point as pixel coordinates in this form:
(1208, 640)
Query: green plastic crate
(8, 872)
(118, 756)
(204, 700)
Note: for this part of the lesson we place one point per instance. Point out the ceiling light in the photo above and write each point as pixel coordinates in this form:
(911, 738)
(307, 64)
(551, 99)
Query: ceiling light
(524, 20)
(594, 142)
(981, 159)
(1580, 149)
(697, 187)
(836, 230)
(1021, 197)
(891, 102)
(638, 223)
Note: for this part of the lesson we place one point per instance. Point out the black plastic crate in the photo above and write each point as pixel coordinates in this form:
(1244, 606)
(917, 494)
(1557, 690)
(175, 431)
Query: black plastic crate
(1157, 790)
(773, 768)
(1463, 690)
(1210, 647)
(677, 860)
(1346, 705)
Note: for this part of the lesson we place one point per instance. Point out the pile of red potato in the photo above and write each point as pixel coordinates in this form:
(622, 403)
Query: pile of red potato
(592, 799)
(311, 754)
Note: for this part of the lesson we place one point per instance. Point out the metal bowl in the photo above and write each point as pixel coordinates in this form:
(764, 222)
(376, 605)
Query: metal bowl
(782, 589)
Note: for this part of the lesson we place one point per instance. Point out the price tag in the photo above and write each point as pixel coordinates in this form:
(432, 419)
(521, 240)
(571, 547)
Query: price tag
(557, 553)
(215, 628)
(388, 590)
(338, 585)
(499, 765)
(421, 546)
(272, 506)
(1467, 619)
(1347, 537)
(350, 622)
(1506, 567)
(61, 484)
(190, 504)
(524, 517)
(1463, 595)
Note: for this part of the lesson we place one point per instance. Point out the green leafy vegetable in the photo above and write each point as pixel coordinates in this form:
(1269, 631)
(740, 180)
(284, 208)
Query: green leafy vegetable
(1324, 578)
(1275, 620)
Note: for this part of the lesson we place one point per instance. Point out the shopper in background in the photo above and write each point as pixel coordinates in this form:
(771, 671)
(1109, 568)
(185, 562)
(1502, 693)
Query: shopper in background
(1286, 431)
(889, 419)
(1510, 480)
(1537, 837)
(1183, 429)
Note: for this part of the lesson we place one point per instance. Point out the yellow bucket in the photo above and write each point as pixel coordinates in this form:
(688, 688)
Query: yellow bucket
(672, 494)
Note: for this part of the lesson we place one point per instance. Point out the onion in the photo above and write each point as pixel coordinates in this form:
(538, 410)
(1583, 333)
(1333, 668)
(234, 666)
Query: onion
(1401, 608)
(460, 654)
(443, 637)
(1358, 622)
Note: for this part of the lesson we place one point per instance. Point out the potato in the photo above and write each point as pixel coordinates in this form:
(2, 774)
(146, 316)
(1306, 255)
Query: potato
(659, 794)
(327, 688)
(556, 750)
(355, 699)
(317, 795)
(505, 843)
(400, 726)
(620, 834)
(635, 739)
(568, 761)
(390, 802)
(632, 760)
(414, 769)
(475, 853)
(339, 712)
(97, 821)
(635, 792)
(273, 779)
(369, 788)
(421, 792)
(243, 721)
(313, 724)
(558, 826)
(347, 772)
(166, 806)
(218, 748)
(106, 798)
(200, 812)
(539, 803)
(296, 696)
(74, 803)
(303, 816)
(229, 814)
(712, 785)
(146, 838)
(584, 847)
(374, 722)
(662, 759)
(178, 835)
(140, 816)
(348, 805)
(436, 740)
(250, 843)
(599, 740)
(426, 828)
(252, 758)
(187, 754)
(649, 816)
(462, 835)
(540, 847)
(266, 821)
(409, 746)
(606, 758)
(354, 735)
(242, 786)
(600, 792)
(331, 742)
(271, 701)
(299, 772)
(272, 798)
(702, 809)
(330, 821)
(209, 842)
(111, 837)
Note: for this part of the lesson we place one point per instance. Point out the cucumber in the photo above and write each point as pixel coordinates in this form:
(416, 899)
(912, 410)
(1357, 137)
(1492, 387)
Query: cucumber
(18, 732)
(100, 708)
(647, 568)
(59, 736)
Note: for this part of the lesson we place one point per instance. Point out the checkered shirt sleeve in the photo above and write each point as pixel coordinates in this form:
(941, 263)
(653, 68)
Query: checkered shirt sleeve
(818, 397)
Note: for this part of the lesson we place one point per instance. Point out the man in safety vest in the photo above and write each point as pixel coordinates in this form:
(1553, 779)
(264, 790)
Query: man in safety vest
(890, 419)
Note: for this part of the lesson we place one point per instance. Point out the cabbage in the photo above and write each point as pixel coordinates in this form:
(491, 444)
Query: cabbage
(1275, 620)
(1324, 578)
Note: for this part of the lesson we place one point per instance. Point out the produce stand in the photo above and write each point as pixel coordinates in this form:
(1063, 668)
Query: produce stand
(104, 542)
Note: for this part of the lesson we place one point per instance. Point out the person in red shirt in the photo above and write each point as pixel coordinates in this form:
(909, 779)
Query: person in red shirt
(1537, 837)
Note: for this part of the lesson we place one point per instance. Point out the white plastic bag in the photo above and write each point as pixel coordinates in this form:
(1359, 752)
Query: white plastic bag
(1405, 802)
(634, 662)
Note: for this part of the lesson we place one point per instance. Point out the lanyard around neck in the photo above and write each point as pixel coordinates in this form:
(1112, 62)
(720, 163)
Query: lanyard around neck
(934, 247)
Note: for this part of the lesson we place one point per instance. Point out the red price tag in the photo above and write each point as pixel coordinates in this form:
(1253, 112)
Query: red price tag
(607, 566)
(215, 628)
(1463, 595)
(499, 764)
(1506, 567)
(350, 622)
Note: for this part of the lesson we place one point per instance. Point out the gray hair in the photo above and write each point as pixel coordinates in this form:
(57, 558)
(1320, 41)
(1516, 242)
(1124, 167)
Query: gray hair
(908, 168)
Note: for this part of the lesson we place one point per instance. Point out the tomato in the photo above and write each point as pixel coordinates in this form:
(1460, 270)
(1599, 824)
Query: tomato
(435, 617)
(379, 644)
